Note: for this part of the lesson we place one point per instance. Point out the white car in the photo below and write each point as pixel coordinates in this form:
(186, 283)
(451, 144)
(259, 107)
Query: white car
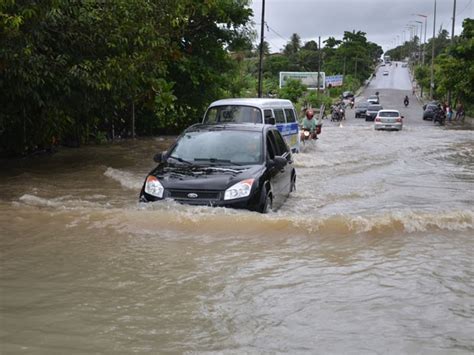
(385, 72)
(388, 119)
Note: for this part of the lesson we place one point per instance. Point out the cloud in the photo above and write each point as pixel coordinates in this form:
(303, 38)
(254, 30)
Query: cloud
(384, 21)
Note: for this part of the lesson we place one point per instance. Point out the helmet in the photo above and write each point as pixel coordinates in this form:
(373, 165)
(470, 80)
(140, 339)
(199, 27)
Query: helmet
(309, 114)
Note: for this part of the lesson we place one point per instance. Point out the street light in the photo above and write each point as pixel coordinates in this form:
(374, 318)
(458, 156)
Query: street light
(424, 42)
(421, 34)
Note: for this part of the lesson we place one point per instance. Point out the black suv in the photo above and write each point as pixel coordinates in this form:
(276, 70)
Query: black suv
(430, 110)
(372, 112)
(360, 109)
(233, 165)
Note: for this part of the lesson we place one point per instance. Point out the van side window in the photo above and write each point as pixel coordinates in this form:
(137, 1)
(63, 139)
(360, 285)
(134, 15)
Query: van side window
(268, 113)
(290, 115)
(279, 115)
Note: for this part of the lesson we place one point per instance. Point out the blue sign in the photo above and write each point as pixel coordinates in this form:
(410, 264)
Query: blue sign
(334, 80)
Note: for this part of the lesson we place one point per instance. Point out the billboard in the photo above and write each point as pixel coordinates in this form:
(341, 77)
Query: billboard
(334, 80)
(310, 79)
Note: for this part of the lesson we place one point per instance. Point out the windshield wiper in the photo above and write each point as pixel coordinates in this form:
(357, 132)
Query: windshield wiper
(216, 160)
(180, 160)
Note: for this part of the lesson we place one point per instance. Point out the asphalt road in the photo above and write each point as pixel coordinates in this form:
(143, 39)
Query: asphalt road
(392, 89)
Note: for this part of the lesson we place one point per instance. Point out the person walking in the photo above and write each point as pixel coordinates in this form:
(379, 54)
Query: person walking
(449, 113)
(459, 111)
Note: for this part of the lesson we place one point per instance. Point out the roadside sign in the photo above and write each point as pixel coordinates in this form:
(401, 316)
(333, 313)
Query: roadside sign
(310, 79)
(334, 80)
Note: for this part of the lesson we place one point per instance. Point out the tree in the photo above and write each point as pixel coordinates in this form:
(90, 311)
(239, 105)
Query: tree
(71, 69)
(293, 46)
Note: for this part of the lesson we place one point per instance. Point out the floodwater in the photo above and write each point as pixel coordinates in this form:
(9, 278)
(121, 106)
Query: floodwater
(372, 254)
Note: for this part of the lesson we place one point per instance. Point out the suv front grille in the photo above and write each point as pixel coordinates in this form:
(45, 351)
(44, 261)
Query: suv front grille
(198, 195)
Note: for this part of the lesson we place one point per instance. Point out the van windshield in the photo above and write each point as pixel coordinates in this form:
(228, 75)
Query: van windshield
(233, 113)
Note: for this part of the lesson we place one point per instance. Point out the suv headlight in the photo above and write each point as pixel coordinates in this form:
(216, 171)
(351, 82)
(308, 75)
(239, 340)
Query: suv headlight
(239, 190)
(153, 187)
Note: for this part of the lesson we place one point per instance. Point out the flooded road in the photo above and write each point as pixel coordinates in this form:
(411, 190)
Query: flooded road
(372, 254)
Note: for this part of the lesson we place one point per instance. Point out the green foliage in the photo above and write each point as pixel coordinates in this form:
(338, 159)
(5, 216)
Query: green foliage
(72, 69)
(292, 90)
(453, 66)
(423, 76)
(315, 100)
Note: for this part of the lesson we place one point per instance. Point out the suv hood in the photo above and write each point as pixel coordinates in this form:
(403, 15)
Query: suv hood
(199, 177)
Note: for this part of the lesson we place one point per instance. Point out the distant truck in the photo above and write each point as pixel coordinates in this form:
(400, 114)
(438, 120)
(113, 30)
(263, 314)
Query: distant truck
(387, 59)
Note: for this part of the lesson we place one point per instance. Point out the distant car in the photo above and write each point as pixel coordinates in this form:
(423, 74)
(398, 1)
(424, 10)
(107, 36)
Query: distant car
(372, 112)
(240, 165)
(434, 102)
(347, 95)
(385, 72)
(360, 109)
(404, 65)
(389, 120)
(382, 65)
(373, 99)
(430, 111)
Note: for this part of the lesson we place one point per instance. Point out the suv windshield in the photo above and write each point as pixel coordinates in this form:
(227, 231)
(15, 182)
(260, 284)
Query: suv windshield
(220, 147)
(233, 113)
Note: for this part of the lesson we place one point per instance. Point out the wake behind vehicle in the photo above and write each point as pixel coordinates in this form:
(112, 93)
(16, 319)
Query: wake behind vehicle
(245, 166)
(388, 120)
(279, 112)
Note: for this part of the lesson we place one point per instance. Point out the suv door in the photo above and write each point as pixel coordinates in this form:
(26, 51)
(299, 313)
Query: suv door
(280, 178)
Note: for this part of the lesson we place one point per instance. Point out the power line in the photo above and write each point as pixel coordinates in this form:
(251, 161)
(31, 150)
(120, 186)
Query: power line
(275, 32)
(468, 5)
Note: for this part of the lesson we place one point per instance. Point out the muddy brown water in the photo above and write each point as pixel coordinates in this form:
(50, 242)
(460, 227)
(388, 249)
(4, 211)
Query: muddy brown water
(372, 254)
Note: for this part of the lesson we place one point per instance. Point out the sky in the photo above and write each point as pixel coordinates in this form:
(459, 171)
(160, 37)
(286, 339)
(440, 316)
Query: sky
(384, 21)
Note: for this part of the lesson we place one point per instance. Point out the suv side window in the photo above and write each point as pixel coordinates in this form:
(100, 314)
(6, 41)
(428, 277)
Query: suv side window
(271, 146)
(279, 115)
(290, 115)
(281, 147)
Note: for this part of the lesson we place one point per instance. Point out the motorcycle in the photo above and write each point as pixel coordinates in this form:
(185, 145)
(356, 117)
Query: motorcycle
(406, 102)
(307, 135)
(439, 117)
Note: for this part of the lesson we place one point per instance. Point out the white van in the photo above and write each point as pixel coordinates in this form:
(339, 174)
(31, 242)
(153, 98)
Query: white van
(280, 112)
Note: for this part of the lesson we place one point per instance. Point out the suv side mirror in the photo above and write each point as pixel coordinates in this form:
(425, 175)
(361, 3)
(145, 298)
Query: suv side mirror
(160, 157)
(278, 162)
(270, 120)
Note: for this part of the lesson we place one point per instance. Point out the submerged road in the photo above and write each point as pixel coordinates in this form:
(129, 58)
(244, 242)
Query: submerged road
(372, 254)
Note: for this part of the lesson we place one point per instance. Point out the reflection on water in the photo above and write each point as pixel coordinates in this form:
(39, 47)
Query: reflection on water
(373, 253)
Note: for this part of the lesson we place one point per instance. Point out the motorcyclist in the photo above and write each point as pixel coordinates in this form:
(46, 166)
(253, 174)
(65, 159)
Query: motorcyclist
(309, 124)
(406, 101)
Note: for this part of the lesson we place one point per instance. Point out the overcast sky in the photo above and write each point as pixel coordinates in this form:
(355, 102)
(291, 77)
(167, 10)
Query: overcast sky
(382, 20)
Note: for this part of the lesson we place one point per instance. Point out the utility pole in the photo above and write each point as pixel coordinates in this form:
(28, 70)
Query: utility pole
(260, 63)
(452, 42)
(344, 69)
(319, 62)
(433, 54)
(454, 19)
(133, 119)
